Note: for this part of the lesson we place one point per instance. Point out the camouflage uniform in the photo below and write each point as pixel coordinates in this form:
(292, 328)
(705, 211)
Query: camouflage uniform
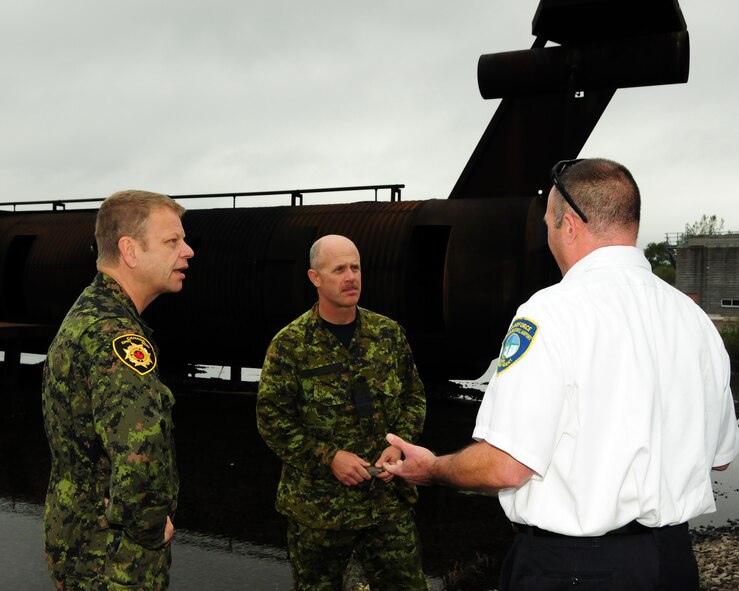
(306, 412)
(113, 475)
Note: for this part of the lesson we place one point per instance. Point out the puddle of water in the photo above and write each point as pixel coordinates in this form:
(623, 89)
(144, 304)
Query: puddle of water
(726, 493)
(198, 562)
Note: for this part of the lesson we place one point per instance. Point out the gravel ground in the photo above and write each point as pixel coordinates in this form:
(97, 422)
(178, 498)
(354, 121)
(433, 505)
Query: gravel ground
(717, 552)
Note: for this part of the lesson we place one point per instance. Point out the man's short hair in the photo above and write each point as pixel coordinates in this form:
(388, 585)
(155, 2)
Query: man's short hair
(605, 191)
(126, 213)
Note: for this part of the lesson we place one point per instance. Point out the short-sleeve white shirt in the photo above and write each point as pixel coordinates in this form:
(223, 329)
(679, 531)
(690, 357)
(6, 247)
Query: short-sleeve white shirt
(618, 398)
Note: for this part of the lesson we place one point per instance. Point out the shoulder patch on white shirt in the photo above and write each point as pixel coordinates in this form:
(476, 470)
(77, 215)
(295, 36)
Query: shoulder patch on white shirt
(517, 342)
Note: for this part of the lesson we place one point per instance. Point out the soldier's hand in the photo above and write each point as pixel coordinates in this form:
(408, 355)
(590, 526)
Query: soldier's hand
(349, 468)
(168, 531)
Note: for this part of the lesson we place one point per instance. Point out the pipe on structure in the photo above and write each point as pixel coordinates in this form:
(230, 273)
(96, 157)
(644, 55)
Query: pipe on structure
(451, 272)
(646, 61)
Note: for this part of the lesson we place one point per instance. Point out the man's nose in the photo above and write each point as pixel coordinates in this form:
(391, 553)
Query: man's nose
(188, 251)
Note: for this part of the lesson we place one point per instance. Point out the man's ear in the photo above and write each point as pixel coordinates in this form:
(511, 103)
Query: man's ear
(314, 277)
(128, 248)
(572, 226)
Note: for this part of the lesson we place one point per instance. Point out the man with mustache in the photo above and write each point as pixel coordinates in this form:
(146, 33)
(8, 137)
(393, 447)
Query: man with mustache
(113, 485)
(333, 381)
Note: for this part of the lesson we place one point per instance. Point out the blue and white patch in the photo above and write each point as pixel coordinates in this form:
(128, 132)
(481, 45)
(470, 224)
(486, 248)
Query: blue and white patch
(516, 343)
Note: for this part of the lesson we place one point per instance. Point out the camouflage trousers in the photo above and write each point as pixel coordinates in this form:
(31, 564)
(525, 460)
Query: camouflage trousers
(389, 553)
(126, 566)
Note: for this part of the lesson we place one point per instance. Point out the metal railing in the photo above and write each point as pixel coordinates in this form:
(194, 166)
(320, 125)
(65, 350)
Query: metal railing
(296, 196)
(675, 239)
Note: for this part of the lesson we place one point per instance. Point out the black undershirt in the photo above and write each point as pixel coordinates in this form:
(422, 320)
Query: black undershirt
(343, 332)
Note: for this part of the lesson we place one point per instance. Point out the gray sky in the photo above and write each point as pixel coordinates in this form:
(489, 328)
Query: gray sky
(216, 96)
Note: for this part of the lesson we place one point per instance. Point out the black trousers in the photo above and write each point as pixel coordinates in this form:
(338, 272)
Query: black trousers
(657, 559)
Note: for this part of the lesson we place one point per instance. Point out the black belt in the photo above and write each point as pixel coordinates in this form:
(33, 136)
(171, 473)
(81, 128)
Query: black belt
(629, 529)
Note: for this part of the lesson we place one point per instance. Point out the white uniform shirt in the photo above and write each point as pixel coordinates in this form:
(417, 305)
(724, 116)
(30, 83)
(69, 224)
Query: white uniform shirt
(614, 388)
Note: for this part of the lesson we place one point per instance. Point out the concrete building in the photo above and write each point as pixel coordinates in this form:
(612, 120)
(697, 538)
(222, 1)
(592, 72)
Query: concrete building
(707, 269)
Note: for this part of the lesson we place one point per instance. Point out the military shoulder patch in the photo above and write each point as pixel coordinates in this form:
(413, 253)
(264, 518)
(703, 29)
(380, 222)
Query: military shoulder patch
(136, 352)
(516, 343)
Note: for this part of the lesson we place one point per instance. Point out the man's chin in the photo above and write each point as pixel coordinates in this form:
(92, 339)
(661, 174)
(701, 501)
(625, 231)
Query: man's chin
(174, 286)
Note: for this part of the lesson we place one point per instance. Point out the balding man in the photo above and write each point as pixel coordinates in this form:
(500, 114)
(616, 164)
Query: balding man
(609, 407)
(334, 381)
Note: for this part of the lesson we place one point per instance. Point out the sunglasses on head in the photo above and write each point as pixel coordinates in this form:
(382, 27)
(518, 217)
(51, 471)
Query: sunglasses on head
(557, 182)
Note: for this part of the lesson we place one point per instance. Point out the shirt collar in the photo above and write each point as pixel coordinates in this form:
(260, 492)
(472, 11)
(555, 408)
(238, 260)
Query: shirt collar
(607, 256)
(318, 332)
(119, 294)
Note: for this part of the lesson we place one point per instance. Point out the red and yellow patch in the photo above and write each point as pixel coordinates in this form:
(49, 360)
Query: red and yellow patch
(136, 352)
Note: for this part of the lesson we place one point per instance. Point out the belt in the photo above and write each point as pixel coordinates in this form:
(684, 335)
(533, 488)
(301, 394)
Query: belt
(631, 528)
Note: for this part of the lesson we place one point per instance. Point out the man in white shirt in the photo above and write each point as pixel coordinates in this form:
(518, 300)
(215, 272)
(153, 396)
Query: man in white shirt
(608, 410)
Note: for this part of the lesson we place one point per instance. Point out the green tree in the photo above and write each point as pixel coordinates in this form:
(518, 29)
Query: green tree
(662, 259)
(659, 254)
(705, 225)
(666, 273)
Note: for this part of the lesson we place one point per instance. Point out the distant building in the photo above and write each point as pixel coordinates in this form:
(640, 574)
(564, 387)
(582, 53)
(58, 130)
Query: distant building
(707, 269)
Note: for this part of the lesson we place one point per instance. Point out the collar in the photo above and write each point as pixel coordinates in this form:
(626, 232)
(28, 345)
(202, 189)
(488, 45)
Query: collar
(608, 256)
(107, 283)
(316, 331)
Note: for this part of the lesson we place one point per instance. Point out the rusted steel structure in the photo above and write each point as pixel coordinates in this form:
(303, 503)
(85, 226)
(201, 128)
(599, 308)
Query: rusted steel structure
(451, 271)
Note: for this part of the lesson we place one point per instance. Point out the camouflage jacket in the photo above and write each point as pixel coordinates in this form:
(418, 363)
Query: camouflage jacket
(108, 422)
(306, 412)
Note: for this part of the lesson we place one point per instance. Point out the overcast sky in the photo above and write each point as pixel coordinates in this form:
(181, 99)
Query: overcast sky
(216, 96)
